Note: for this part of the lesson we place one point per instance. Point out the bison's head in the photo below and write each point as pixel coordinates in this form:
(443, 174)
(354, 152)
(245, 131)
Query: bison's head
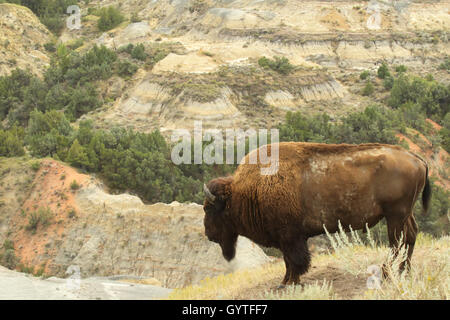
(218, 224)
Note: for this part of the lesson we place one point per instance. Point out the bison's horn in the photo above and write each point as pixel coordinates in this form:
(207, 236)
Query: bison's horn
(208, 194)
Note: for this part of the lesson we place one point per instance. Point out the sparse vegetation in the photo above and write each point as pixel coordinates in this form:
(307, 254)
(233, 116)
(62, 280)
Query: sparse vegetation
(445, 65)
(7, 255)
(432, 97)
(41, 217)
(36, 165)
(138, 52)
(350, 260)
(278, 64)
(199, 6)
(110, 17)
(383, 71)
(401, 68)
(388, 82)
(11, 142)
(368, 89)
(74, 185)
(72, 214)
(364, 75)
(50, 12)
(126, 69)
(199, 92)
(69, 84)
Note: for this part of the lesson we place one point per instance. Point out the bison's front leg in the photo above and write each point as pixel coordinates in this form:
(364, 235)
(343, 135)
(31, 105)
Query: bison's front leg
(297, 260)
(288, 274)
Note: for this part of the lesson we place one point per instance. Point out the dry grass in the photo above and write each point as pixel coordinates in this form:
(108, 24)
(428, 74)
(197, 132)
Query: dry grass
(340, 274)
(228, 286)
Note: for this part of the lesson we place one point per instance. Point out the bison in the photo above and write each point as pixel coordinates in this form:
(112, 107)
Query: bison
(316, 186)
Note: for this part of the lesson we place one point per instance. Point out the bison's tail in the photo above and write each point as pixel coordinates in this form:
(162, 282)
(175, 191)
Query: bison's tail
(426, 193)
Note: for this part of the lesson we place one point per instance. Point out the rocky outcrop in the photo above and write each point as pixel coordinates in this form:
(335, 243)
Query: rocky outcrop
(106, 235)
(327, 41)
(22, 39)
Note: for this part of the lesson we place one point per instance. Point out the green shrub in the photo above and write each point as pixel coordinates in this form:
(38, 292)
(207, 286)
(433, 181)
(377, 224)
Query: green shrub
(138, 52)
(128, 48)
(383, 71)
(445, 65)
(74, 185)
(8, 259)
(110, 17)
(368, 89)
(278, 64)
(445, 133)
(401, 68)
(135, 18)
(50, 47)
(11, 142)
(41, 217)
(126, 69)
(364, 75)
(75, 44)
(432, 96)
(36, 165)
(388, 82)
(374, 124)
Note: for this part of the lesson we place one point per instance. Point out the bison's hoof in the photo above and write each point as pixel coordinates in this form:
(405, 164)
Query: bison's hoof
(281, 286)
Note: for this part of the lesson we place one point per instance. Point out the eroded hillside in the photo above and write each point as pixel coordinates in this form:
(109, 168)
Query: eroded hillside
(22, 40)
(216, 76)
(54, 223)
(202, 63)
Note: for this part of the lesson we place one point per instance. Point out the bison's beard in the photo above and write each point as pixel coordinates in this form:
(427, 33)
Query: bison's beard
(228, 246)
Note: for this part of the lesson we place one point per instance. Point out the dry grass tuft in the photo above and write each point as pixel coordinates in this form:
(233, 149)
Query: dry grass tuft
(351, 271)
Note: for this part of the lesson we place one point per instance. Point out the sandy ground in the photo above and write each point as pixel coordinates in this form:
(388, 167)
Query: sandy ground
(21, 286)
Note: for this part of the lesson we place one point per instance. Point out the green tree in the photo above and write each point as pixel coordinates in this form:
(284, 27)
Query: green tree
(445, 133)
(368, 89)
(364, 75)
(48, 134)
(11, 142)
(278, 64)
(77, 155)
(388, 82)
(138, 52)
(383, 71)
(110, 17)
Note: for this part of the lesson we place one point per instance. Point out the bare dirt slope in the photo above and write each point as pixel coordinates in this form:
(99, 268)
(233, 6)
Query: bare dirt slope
(53, 225)
(22, 39)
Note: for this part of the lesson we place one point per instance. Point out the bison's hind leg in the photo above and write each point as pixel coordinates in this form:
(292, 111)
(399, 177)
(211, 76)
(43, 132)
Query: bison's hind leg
(406, 231)
(297, 259)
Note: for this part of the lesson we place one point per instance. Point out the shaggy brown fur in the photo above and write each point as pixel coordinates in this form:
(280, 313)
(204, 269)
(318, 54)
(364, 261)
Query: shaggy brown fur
(316, 185)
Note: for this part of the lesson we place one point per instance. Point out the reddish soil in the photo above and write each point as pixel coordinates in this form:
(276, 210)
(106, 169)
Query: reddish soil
(51, 189)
